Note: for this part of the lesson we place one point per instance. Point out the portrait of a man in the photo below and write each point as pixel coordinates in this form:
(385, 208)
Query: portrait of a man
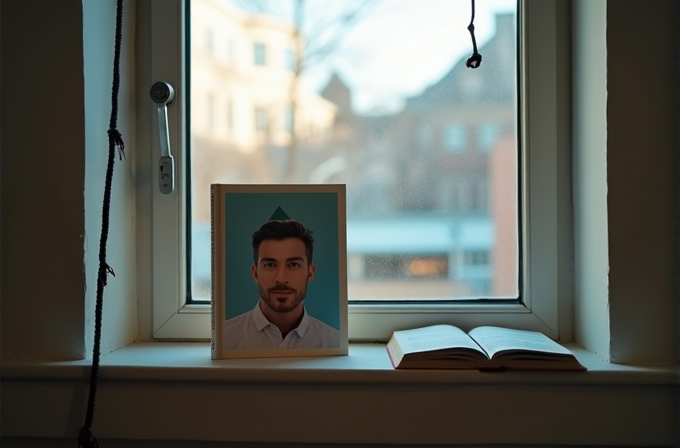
(279, 271)
(283, 267)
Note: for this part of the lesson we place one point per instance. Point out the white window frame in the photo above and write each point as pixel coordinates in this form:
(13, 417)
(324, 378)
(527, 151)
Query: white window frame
(547, 284)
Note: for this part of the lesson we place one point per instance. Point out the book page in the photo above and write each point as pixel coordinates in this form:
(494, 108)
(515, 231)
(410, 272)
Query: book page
(436, 337)
(497, 339)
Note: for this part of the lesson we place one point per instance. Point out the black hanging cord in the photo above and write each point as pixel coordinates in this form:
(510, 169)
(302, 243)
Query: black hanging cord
(85, 437)
(475, 60)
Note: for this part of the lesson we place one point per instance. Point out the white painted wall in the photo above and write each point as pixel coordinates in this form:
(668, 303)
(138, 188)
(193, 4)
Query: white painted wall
(626, 122)
(119, 324)
(591, 262)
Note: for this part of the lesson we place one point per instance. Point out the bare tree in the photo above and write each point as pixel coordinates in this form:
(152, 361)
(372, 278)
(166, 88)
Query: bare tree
(315, 42)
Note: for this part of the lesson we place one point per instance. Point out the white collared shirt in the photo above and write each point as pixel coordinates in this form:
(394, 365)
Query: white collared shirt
(252, 331)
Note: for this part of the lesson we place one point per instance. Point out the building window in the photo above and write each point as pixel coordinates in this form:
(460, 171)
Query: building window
(377, 267)
(230, 50)
(260, 54)
(209, 40)
(289, 59)
(487, 134)
(476, 258)
(480, 194)
(210, 111)
(455, 138)
(230, 115)
(424, 139)
(454, 194)
(261, 120)
(288, 120)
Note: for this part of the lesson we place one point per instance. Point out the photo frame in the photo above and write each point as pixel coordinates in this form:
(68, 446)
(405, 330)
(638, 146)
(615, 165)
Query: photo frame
(268, 299)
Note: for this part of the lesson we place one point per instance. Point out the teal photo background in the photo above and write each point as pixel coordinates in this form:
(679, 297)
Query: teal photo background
(246, 212)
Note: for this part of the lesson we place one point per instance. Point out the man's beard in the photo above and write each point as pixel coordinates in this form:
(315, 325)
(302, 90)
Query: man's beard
(282, 307)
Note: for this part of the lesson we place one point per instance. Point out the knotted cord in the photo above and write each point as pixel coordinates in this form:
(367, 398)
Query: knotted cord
(85, 437)
(475, 60)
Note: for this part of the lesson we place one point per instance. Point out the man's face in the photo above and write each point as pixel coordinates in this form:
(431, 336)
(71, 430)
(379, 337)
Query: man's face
(282, 273)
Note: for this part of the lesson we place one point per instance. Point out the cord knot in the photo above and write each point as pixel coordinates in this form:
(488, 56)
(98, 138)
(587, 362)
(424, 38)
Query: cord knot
(104, 270)
(117, 139)
(474, 61)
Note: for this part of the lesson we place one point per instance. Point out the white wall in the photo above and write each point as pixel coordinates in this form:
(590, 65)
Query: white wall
(626, 80)
(591, 262)
(119, 324)
(56, 100)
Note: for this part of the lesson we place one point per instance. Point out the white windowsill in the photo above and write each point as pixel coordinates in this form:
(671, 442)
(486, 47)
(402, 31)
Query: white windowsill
(366, 363)
(162, 383)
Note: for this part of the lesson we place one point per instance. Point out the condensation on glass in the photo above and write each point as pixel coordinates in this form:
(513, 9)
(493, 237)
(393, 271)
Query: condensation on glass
(373, 94)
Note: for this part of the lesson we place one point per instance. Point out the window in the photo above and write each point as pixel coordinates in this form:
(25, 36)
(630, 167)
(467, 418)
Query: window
(397, 267)
(455, 138)
(230, 50)
(476, 258)
(230, 115)
(209, 40)
(425, 137)
(487, 134)
(261, 120)
(288, 120)
(289, 59)
(480, 200)
(210, 112)
(452, 194)
(531, 303)
(259, 54)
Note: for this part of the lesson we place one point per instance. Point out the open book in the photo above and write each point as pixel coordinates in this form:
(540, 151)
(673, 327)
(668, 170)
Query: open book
(483, 348)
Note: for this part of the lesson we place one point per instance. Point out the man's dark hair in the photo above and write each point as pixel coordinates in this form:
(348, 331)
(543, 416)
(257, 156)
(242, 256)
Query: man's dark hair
(280, 230)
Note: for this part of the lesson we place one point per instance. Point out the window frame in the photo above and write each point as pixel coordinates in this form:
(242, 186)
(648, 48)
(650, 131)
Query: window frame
(546, 283)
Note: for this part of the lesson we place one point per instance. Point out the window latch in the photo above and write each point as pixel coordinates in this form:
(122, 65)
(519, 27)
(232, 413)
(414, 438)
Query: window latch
(163, 95)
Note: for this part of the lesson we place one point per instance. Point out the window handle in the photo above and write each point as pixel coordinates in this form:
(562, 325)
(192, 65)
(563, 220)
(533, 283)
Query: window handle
(163, 95)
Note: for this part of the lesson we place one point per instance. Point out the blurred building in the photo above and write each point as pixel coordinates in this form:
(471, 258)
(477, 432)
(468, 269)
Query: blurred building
(431, 190)
(246, 99)
(428, 171)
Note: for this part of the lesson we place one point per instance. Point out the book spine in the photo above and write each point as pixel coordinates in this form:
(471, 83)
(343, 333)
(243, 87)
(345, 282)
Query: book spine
(213, 285)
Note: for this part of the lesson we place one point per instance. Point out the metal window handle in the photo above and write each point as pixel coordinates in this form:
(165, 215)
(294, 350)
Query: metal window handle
(163, 95)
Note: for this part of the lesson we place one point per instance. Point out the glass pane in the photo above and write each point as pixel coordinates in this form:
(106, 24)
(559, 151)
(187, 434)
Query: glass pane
(374, 94)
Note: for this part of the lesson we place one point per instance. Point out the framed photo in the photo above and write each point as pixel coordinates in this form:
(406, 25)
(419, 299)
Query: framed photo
(279, 270)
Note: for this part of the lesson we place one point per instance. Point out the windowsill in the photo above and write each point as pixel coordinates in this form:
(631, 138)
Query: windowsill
(161, 385)
(366, 363)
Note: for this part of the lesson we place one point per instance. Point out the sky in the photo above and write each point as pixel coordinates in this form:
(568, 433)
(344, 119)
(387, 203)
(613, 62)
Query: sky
(397, 49)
